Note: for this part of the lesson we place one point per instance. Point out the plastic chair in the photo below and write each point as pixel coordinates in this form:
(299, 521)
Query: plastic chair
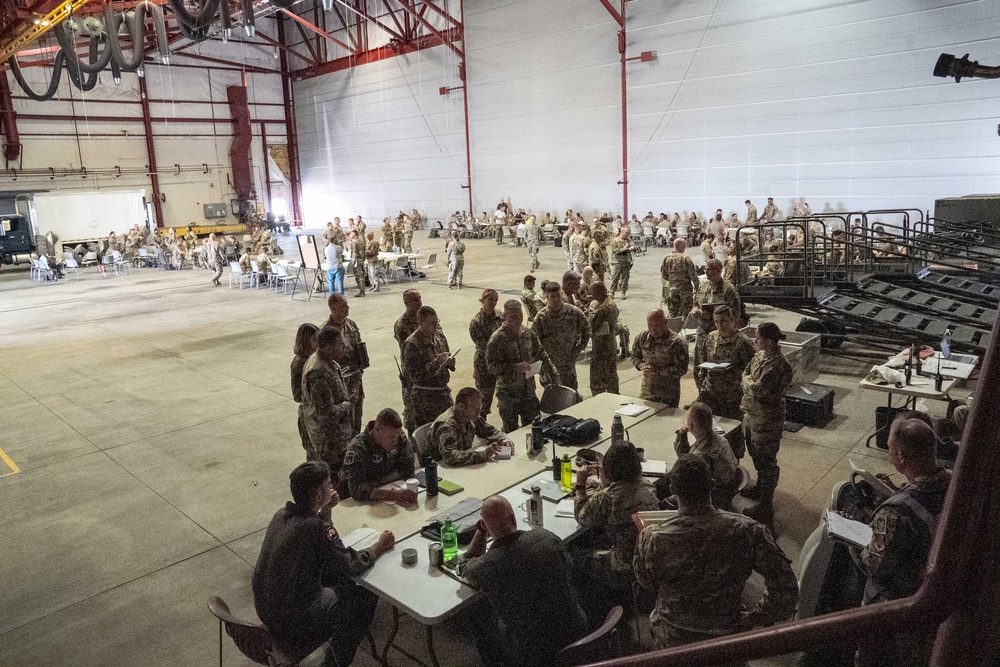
(90, 259)
(601, 644)
(71, 265)
(402, 267)
(254, 273)
(235, 271)
(431, 263)
(119, 264)
(556, 398)
(420, 439)
(252, 639)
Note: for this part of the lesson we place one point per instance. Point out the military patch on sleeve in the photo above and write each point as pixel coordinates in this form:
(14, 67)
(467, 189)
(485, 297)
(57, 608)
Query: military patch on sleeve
(350, 457)
(331, 533)
(878, 534)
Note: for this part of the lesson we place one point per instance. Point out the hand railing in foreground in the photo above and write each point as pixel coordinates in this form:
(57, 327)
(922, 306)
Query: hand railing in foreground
(960, 594)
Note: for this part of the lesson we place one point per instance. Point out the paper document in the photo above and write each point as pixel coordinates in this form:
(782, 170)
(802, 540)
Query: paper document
(534, 370)
(881, 488)
(708, 365)
(631, 410)
(650, 467)
(850, 531)
(565, 508)
(360, 538)
(652, 518)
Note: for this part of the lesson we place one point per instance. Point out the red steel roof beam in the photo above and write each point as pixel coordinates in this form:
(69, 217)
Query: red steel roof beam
(434, 31)
(316, 30)
(273, 42)
(615, 14)
(371, 19)
(451, 19)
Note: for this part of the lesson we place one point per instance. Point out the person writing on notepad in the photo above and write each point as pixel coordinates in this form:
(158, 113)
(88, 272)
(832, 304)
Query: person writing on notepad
(451, 438)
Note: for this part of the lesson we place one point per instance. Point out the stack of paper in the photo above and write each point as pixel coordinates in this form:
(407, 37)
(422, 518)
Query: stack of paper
(650, 467)
(652, 517)
(708, 365)
(565, 508)
(631, 410)
(848, 530)
(360, 538)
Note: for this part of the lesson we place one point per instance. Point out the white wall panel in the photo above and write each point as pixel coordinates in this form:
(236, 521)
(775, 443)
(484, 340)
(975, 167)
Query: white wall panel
(379, 138)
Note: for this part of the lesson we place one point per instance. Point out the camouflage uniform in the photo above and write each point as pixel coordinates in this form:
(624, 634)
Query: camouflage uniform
(669, 358)
(610, 511)
(564, 336)
(351, 366)
(408, 236)
(751, 215)
(681, 281)
(386, 236)
(402, 330)
(456, 262)
(214, 258)
(621, 264)
(709, 296)
(729, 272)
(481, 329)
(765, 381)
(298, 363)
(367, 465)
(770, 213)
(533, 302)
(515, 393)
(451, 441)
(903, 529)
(597, 257)
(718, 454)
(578, 252)
(397, 234)
(371, 259)
(567, 240)
(358, 247)
(531, 237)
(428, 380)
(719, 388)
(327, 411)
(604, 357)
(698, 563)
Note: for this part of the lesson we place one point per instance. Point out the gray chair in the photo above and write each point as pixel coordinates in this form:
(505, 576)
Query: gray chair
(420, 439)
(556, 398)
(601, 644)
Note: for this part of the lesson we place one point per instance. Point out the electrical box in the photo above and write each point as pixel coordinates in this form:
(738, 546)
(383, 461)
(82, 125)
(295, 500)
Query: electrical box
(215, 210)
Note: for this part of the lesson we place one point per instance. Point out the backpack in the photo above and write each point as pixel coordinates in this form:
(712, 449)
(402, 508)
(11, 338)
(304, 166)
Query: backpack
(570, 431)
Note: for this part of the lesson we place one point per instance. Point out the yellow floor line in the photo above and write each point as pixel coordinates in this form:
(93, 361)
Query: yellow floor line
(10, 464)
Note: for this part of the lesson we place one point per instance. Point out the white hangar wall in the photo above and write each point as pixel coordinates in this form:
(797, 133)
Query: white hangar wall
(826, 101)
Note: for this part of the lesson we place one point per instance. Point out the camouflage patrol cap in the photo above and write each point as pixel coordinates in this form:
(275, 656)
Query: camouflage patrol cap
(770, 330)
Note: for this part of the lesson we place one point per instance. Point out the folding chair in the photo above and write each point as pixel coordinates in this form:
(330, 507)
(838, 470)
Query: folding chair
(71, 265)
(556, 398)
(236, 271)
(431, 263)
(601, 644)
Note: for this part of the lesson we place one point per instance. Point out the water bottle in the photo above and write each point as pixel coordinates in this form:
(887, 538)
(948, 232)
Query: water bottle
(617, 431)
(536, 518)
(556, 465)
(449, 540)
(566, 473)
(537, 440)
(431, 477)
(908, 368)
(938, 378)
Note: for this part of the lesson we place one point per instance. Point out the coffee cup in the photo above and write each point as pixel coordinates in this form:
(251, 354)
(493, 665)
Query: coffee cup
(413, 484)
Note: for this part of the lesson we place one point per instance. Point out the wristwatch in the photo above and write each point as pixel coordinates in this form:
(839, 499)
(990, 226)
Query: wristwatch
(580, 488)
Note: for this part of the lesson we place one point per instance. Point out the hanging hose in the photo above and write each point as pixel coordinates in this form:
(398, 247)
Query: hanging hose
(65, 38)
(194, 34)
(53, 82)
(76, 74)
(199, 19)
(134, 26)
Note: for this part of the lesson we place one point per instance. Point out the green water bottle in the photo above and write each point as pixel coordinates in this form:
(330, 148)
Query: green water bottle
(449, 540)
(566, 473)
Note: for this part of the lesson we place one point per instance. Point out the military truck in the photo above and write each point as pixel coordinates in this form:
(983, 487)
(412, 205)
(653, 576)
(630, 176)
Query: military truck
(16, 239)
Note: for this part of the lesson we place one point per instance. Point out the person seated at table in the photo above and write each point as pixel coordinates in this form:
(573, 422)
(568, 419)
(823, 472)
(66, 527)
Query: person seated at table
(302, 585)
(533, 610)
(450, 439)
(607, 569)
(698, 563)
(711, 446)
(377, 456)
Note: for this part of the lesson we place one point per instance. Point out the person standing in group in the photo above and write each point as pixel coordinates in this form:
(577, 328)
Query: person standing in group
(597, 254)
(720, 388)
(604, 357)
(427, 365)
(214, 259)
(356, 357)
(327, 404)
(621, 262)
(567, 242)
(531, 234)
(766, 379)
(680, 280)
(564, 331)
(770, 211)
(751, 213)
(456, 261)
(662, 356)
(578, 246)
(481, 329)
(371, 260)
(358, 249)
(402, 329)
(714, 292)
(512, 350)
(305, 347)
(408, 229)
(533, 302)
(334, 267)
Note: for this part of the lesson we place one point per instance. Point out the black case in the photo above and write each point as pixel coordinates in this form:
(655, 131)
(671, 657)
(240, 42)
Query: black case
(811, 409)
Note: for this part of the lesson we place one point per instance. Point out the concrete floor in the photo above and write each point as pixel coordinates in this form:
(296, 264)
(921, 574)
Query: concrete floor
(152, 422)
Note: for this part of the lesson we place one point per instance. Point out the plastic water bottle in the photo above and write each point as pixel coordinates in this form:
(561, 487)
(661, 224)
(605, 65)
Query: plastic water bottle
(566, 473)
(617, 431)
(537, 439)
(431, 477)
(536, 518)
(449, 540)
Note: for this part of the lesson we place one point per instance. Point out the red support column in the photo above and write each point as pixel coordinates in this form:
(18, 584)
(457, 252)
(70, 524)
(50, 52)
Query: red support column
(267, 163)
(462, 71)
(154, 178)
(624, 78)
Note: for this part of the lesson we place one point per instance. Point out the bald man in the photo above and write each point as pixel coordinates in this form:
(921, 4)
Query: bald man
(526, 578)
(680, 280)
(662, 356)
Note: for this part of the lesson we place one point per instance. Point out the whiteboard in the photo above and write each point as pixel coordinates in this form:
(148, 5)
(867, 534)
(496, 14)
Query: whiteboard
(89, 215)
(309, 251)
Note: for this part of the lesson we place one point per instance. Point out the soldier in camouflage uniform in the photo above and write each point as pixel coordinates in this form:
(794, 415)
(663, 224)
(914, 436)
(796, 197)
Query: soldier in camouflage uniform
(408, 228)
(359, 247)
(451, 438)
(531, 233)
(719, 388)
(698, 563)
(578, 244)
(456, 261)
(770, 211)
(621, 262)
(327, 404)
(355, 360)
(680, 280)
(509, 355)
(597, 254)
(533, 302)
(751, 213)
(371, 260)
(377, 456)
(662, 356)
(903, 529)
(567, 239)
(715, 291)
(214, 259)
(604, 357)
(730, 267)
(397, 234)
(716, 451)
(564, 331)
(404, 326)
(765, 381)
(427, 365)
(481, 329)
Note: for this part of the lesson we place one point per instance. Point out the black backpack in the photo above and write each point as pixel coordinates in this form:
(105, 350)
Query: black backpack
(570, 431)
